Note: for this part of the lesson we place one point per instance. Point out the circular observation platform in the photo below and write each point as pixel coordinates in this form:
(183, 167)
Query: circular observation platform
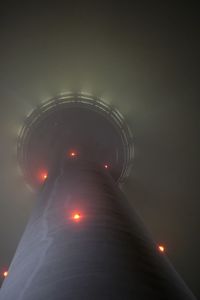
(74, 125)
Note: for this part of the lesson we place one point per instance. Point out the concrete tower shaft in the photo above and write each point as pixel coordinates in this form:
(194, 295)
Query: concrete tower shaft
(83, 241)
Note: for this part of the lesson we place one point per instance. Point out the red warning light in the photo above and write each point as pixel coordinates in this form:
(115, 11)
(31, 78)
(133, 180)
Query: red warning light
(106, 166)
(45, 176)
(5, 274)
(42, 176)
(72, 154)
(161, 248)
(76, 216)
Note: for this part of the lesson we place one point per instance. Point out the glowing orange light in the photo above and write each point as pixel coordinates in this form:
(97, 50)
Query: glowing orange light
(5, 274)
(42, 176)
(161, 248)
(76, 216)
(72, 154)
(45, 176)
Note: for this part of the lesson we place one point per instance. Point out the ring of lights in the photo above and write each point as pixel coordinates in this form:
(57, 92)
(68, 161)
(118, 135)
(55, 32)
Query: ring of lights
(70, 100)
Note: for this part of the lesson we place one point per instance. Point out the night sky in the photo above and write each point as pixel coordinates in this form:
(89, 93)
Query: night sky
(141, 58)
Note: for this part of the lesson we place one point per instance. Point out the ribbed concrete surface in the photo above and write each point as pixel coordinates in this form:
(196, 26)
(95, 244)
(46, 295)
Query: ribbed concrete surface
(105, 255)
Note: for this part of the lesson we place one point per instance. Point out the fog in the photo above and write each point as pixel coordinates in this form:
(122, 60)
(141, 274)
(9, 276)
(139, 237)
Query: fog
(144, 60)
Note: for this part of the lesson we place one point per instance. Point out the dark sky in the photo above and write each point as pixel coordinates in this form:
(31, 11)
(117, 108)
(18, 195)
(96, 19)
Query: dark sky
(142, 58)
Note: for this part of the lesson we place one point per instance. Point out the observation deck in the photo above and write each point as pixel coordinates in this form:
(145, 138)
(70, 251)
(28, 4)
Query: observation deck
(74, 125)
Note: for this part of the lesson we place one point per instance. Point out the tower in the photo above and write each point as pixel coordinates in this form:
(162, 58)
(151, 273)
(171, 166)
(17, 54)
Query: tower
(83, 239)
